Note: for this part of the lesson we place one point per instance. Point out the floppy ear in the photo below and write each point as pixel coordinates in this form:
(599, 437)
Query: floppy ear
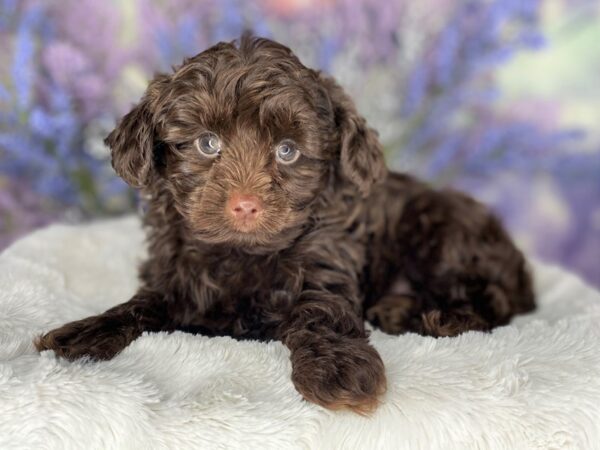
(361, 157)
(132, 141)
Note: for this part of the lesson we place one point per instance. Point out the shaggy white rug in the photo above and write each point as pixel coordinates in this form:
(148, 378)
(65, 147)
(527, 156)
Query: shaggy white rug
(532, 385)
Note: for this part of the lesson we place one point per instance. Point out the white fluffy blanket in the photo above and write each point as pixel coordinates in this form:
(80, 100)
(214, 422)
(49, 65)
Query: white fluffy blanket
(532, 385)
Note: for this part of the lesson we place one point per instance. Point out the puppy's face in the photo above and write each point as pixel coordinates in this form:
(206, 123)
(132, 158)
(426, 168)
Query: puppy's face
(248, 143)
(246, 139)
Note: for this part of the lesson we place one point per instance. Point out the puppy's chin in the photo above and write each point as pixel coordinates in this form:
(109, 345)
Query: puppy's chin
(234, 238)
(244, 228)
(250, 237)
(245, 240)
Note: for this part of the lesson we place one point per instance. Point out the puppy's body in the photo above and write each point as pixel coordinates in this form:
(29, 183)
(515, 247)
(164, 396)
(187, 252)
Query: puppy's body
(271, 216)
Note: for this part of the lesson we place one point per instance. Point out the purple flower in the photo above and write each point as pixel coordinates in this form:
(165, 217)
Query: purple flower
(22, 67)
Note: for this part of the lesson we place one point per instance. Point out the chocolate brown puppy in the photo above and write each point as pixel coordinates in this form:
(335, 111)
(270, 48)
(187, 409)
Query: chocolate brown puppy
(271, 215)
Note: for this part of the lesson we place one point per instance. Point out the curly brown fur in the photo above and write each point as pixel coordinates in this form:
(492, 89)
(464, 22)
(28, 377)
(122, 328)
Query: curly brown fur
(318, 245)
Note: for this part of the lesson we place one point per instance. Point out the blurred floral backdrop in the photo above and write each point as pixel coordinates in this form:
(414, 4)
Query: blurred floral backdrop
(499, 97)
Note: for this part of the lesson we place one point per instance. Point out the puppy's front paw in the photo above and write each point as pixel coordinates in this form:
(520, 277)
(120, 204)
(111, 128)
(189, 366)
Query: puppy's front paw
(99, 337)
(339, 372)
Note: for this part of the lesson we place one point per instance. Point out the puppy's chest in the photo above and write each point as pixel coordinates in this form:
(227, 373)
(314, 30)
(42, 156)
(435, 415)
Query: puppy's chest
(254, 295)
(244, 277)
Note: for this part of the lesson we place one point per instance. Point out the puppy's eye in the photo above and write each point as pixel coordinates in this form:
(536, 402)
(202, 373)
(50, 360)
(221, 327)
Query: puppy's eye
(208, 144)
(287, 153)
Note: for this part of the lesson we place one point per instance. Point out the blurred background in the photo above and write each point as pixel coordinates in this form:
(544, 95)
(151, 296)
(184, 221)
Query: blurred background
(500, 98)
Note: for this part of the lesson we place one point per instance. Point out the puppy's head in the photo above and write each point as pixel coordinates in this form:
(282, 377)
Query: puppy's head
(245, 138)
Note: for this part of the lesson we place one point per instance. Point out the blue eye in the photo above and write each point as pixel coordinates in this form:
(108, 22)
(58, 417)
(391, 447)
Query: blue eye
(286, 152)
(208, 144)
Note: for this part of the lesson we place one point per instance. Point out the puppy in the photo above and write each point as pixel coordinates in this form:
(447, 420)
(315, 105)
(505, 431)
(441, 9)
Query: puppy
(271, 215)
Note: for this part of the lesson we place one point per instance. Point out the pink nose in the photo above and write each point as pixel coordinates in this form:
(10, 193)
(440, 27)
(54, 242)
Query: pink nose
(244, 208)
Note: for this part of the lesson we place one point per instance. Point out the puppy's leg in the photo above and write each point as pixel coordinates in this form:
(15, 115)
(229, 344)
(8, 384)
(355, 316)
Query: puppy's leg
(398, 314)
(395, 313)
(464, 271)
(103, 336)
(333, 364)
